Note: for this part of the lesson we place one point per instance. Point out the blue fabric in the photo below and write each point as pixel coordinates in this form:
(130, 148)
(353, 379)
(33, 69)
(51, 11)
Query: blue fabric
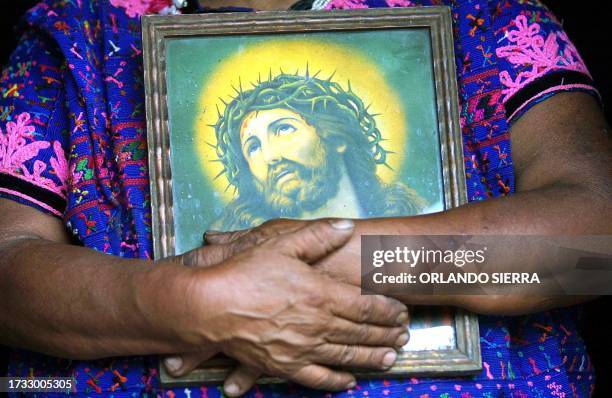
(72, 98)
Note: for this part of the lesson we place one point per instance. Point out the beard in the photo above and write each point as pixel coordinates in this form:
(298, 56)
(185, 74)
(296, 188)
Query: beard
(309, 189)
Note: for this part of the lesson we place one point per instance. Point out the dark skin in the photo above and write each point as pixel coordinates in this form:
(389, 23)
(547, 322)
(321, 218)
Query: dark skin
(73, 302)
(286, 319)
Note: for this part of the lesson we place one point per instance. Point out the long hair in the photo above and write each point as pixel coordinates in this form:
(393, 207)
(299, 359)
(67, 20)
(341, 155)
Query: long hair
(340, 118)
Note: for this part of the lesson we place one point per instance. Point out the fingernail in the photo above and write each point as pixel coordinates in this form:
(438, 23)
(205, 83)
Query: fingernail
(401, 340)
(212, 232)
(351, 385)
(343, 224)
(173, 364)
(389, 359)
(232, 389)
(402, 319)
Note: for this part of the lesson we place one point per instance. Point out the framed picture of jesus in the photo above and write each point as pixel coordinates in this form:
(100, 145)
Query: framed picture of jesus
(306, 115)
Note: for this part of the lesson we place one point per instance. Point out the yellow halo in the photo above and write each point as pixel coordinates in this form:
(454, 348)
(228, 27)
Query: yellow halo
(346, 64)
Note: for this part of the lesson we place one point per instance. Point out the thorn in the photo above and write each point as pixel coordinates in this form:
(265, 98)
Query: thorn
(307, 70)
(219, 175)
(331, 76)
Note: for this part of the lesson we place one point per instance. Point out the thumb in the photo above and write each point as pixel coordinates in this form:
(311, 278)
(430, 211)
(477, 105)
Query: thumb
(180, 365)
(317, 239)
(240, 381)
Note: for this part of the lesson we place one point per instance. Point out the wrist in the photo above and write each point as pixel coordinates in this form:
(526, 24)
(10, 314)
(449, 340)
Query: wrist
(209, 296)
(162, 294)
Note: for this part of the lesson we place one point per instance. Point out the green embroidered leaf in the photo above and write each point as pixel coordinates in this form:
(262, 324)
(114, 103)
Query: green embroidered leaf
(82, 165)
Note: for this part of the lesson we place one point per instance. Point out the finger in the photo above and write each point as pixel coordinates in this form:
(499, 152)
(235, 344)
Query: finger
(322, 378)
(180, 365)
(240, 380)
(254, 236)
(355, 356)
(316, 240)
(342, 331)
(206, 256)
(348, 302)
(222, 238)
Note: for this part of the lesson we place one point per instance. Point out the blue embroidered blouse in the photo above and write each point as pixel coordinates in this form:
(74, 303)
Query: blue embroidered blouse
(73, 145)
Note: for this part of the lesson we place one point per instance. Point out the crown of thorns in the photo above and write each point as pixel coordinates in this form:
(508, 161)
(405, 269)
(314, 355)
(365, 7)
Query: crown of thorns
(299, 93)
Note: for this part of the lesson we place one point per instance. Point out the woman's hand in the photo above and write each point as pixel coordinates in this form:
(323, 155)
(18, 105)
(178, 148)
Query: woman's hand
(275, 314)
(220, 247)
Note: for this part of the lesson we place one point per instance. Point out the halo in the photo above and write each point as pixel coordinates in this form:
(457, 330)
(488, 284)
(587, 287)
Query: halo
(255, 62)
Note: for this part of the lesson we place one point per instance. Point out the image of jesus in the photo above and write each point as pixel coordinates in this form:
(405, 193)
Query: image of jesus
(303, 147)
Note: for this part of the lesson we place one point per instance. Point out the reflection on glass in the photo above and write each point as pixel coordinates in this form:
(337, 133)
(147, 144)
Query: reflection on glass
(431, 329)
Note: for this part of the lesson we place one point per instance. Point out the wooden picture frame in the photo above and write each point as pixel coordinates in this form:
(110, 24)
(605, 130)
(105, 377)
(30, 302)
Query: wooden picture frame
(173, 122)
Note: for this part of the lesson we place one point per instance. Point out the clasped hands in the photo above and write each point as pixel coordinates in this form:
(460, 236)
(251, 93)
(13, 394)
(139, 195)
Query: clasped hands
(270, 308)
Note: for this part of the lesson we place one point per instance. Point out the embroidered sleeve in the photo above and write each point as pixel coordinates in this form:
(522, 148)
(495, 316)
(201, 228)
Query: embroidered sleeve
(33, 134)
(536, 58)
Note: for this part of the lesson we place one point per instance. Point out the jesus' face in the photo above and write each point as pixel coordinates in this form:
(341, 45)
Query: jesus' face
(288, 160)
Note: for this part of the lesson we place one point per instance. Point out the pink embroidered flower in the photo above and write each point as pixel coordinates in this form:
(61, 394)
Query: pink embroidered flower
(14, 149)
(399, 3)
(136, 8)
(346, 4)
(59, 164)
(535, 55)
(17, 149)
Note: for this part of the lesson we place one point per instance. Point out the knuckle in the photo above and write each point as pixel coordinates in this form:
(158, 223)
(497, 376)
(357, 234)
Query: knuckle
(347, 355)
(374, 357)
(191, 258)
(319, 381)
(319, 236)
(392, 334)
(396, 307)
(363, 333)
(366, 310)
(389, 336)
(228, 250)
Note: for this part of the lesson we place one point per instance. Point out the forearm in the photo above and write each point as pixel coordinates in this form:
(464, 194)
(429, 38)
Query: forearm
(552, 210)
(562, 155)
(73, 302)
